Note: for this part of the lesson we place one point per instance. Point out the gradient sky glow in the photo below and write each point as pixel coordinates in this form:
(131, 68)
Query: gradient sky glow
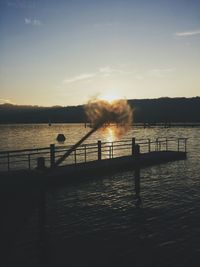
(66, 51)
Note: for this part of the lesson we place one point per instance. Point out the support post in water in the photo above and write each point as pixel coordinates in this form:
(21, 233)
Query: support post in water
(8, 161)
(42, 225)
(29, 161)
(52, 155)
(137, 151)
(41, 163)
(137, 185)
(138, 202)
(133, 146)
(99, 150)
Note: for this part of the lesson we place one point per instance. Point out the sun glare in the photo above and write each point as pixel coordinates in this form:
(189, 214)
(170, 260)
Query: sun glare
(110, 97)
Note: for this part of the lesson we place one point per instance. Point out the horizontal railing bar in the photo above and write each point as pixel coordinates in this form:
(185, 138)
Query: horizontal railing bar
(83, 145)
(42, 153)
(80, 148)
(18, 161)
(24, 150)
(24, 155)
(119, 141)
(92, 152)
(118, 149)
(92, 144)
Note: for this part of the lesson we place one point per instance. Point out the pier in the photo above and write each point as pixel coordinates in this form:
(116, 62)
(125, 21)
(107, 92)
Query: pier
(28, 174)
(93, 158)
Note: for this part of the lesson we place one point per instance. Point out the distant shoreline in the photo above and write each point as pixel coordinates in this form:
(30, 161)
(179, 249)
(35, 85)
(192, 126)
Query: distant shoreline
(149, 111)
(136, 124)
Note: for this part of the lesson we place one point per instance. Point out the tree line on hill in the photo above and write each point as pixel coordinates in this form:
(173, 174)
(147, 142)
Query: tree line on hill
(144, 110)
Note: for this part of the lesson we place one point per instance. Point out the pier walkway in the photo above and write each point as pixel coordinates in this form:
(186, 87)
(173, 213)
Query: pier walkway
(92, 158)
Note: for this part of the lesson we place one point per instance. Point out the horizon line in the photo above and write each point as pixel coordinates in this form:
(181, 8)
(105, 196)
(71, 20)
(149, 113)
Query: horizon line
(130, 99)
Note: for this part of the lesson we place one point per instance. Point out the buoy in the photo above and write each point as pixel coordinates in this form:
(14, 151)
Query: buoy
(61, 138)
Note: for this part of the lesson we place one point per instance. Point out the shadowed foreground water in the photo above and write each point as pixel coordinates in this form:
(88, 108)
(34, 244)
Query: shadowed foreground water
(96, 222)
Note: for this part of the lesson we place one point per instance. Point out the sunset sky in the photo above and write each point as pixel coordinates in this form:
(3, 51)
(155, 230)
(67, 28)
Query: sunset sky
(66, 51)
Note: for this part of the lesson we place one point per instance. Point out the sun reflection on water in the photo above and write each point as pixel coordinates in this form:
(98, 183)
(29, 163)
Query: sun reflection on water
(110, 133)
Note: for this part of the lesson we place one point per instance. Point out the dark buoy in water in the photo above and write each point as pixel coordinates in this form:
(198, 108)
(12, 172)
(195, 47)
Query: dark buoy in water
(61, 138)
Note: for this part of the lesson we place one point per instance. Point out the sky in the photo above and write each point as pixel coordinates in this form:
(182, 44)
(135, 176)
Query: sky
(66, 52)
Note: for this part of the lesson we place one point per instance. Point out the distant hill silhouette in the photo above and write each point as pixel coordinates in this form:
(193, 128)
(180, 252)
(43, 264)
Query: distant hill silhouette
(166, 109)
(145, 110)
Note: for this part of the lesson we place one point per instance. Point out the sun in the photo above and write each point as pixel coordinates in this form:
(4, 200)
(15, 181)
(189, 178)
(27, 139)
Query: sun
(109, 97)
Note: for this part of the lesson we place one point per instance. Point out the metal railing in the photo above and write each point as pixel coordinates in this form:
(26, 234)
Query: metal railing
(28, 158)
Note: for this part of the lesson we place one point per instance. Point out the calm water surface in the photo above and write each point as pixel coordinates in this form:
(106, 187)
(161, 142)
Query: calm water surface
(99, 217)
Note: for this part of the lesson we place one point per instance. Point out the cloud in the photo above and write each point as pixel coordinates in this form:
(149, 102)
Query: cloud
(27, 21)
(81, 77)
(33, 22)
(106, 71)
(5, 101)
(160, 72)
(188, 33)
(21, 4)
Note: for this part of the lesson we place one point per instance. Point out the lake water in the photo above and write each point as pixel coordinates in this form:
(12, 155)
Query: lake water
(41, 135)
(97, 223)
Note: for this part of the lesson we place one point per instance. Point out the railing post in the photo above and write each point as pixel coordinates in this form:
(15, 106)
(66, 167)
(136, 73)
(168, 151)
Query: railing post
(75, 156)
(166, 144)
(149, 145)
(112, 149)
(156, 144)
(178, 144)
(52, 155)
(99, 150)
(85, 153)
(133, 146)
(185, 145)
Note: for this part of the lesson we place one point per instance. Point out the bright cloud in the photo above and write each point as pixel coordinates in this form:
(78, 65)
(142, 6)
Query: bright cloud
(33, 22)
(187, 33)
(81, 77)
(5, 101)
(106, 71)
